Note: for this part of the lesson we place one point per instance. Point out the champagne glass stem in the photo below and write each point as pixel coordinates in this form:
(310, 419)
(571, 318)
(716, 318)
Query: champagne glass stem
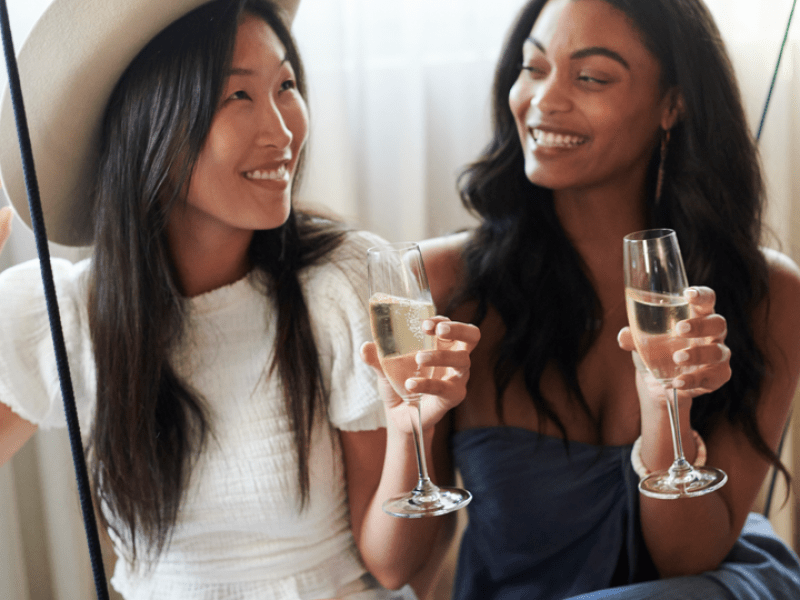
(424, 486)
(677, 445)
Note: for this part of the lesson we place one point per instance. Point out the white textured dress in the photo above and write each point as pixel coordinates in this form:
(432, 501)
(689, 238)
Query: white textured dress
(240, 534)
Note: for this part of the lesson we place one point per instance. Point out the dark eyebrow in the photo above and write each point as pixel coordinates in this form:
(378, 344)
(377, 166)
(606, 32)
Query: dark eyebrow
(591, 51)
(536, 43)
(600, 51)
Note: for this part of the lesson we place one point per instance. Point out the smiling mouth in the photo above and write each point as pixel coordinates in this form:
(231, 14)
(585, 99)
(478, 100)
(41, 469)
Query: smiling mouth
(548, 139)
(278, 174)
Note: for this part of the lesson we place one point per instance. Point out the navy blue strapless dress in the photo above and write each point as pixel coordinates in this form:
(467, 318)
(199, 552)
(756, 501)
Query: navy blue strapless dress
(548, 522)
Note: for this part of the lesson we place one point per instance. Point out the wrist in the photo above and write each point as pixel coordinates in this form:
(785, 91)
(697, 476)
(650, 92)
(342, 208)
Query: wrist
(655, 406)
(656, 426)
(641, 469)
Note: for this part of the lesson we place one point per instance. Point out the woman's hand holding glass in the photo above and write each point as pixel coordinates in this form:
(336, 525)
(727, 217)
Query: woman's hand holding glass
(706, 361)
(446, 385)
(439, 384)
(660, 318)
(415, 362)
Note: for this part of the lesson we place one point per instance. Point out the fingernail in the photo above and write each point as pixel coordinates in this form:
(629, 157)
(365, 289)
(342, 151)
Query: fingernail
(678, 383)
(443, 329)
(680, 356)
(423, 357)
(411, 384)
(683, 327)
(691, 293)
(427, 324)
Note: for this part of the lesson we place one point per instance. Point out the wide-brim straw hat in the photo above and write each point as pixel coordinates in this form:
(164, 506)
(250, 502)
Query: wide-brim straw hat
(69, 65)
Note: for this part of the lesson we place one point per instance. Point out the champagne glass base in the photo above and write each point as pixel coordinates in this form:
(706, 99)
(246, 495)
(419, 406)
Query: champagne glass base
(687, 483)
(416, 504)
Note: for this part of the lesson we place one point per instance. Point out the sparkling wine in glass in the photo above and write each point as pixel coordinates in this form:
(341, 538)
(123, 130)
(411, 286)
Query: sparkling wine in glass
(399, 302)
(655, 280)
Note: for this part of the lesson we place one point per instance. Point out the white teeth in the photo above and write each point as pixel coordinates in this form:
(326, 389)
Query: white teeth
(548, 139)
(279, 173)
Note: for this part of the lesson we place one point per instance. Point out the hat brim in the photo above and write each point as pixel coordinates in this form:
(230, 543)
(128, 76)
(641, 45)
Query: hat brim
(68, 69)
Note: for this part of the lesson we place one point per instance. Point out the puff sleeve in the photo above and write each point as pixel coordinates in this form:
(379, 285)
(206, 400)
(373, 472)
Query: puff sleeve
(337, 294)
(29, 381)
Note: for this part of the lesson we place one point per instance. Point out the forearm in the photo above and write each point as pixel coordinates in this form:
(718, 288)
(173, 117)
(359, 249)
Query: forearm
(686, 535)
(657, 449)
(395, 549)
(14, 432)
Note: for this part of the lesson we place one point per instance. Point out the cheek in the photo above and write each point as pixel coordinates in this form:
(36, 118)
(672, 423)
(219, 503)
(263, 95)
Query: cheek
(629, 132)
(624, 114)
(220, 146)
(296, 120)
(215, 163)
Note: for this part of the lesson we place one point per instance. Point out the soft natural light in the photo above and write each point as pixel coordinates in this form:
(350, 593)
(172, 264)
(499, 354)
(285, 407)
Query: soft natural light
(399, 100)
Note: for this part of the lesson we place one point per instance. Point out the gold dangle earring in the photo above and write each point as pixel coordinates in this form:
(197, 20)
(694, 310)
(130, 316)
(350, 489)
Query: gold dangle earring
(661, 163)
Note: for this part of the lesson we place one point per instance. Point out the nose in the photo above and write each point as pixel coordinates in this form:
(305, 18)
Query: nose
(272, 129)
(551, 95)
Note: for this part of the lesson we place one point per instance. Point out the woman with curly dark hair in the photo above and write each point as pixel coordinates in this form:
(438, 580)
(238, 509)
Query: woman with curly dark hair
(614, 116)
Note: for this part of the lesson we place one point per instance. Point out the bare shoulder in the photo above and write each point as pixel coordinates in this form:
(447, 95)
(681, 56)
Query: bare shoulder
(784, 282)
(444, 265)
(782, 311)
(779, 262)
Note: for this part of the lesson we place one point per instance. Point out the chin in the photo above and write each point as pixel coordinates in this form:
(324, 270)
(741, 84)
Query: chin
(274, 222)
(551, 180)
(544, 180)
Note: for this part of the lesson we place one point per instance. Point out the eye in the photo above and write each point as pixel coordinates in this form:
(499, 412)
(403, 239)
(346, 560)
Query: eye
(533, 71)
(239, 95)
(289, 84)
(590, 79)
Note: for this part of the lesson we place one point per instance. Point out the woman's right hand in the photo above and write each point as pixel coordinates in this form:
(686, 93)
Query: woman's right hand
(5, 225)
(447, 385)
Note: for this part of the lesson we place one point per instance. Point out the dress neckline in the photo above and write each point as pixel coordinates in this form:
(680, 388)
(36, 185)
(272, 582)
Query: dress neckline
(511, 430)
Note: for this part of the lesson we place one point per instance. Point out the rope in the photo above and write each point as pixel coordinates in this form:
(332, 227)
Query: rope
(775, 72)
(37, 222)
(774, 477)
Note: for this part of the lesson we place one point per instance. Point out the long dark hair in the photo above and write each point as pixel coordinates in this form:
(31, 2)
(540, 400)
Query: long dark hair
(150, 425)
(521, 262)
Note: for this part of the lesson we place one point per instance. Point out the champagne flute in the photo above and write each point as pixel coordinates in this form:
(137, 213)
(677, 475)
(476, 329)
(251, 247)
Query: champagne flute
(399, 302)
(655, 280)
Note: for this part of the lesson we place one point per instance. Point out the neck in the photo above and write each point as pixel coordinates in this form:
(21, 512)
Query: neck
(595, 221)
(206, 255)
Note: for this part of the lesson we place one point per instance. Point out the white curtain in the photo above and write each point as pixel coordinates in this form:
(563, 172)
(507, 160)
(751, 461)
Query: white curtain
(399, 98)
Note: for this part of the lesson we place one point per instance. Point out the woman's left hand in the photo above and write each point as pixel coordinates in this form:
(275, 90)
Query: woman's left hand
(707, 359)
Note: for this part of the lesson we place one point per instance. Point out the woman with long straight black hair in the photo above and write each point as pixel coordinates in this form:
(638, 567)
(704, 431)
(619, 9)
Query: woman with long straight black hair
(214, 333)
